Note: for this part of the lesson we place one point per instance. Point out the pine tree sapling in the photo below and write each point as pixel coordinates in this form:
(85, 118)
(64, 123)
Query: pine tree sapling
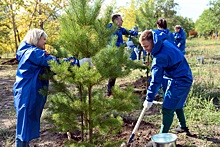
(77, 99)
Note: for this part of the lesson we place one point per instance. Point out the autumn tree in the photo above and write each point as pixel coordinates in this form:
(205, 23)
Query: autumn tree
(9, 10)
(4, 27)
(20, 16)
(129, 14)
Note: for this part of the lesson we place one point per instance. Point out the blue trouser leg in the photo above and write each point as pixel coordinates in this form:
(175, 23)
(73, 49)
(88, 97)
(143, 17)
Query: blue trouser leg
(111, 83)
(133, 55)
(19, 143)
(166, 120)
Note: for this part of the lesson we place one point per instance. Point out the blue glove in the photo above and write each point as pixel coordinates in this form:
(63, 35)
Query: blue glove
(72, 60)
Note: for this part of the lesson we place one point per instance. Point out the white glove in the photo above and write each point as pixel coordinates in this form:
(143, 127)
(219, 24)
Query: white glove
(147, 104)
(178, 44)
(129, 43)
(84, 60)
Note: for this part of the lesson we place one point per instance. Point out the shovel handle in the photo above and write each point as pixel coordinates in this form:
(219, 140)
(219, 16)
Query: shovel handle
(137, 124)
(139, 121)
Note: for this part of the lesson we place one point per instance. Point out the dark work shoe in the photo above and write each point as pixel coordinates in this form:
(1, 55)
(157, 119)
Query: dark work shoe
(182, 130)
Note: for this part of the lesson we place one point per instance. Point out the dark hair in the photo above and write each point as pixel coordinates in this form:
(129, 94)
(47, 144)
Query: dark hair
(114, 17)
(162, 23)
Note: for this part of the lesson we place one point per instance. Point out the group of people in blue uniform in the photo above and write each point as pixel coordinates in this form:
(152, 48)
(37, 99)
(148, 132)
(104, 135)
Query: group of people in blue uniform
(178, 37)
(169, 69)
(167, 61)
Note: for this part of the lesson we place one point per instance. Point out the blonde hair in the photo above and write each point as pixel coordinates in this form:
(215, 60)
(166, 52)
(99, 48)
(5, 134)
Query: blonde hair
(177, 27)
(33, 36)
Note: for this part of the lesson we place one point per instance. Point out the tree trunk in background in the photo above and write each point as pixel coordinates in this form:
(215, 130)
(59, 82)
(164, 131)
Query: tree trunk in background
(40, 13)
(14, 27)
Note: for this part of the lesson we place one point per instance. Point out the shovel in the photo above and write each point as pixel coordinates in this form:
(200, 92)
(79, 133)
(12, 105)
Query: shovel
(130, 140)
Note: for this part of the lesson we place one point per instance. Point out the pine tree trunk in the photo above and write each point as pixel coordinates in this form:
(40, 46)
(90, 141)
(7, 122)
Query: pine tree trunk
(90, 115)
(82, 116)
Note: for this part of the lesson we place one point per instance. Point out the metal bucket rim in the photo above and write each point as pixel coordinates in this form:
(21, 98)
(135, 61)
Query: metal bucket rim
(174, 138)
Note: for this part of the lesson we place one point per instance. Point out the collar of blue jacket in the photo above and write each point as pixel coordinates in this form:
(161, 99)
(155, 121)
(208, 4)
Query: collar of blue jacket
(158, 38)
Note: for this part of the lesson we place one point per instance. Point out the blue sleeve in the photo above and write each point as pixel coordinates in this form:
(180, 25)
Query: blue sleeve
(73, 61)
(129, 32)
(125, 31)
(39, 57)
(133, 33)
(157, 72)
(183, 37)
(171, 37)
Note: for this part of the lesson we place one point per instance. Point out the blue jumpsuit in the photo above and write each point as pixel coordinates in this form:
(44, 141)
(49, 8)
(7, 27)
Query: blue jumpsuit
(122, 31)
(170, 38)
(170, 62)
(28, 102)
(119, 32)
(180, 37)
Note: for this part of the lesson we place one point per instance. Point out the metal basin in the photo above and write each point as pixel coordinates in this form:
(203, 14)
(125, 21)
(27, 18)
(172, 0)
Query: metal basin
(164, 140)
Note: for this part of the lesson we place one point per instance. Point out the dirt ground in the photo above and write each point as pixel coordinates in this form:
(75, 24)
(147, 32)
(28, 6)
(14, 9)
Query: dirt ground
(56, 139)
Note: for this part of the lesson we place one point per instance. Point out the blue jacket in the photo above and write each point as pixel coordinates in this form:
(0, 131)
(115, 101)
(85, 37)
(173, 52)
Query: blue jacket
(180, 37)
(122, 31)
(28, 102)
(169, 61)
(170, 36)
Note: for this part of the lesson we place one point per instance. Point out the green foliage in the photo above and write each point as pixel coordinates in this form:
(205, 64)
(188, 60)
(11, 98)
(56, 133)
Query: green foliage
(82, 33)
(146, 18)
(110, 61)
(203, 102)
(199, 109)
(76, 100)
(165, 8)
(214, 8)
(204, 24)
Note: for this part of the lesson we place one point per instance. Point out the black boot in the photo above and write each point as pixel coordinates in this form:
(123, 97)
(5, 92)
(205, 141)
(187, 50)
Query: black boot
(182, 130)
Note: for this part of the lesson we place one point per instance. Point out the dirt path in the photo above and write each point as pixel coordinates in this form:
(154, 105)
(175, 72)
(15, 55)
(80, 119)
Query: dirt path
(8, 117)
(7, 79)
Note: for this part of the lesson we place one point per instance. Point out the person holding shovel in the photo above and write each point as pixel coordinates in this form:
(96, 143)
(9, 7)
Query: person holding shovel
(168, 60)
(28, 102)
